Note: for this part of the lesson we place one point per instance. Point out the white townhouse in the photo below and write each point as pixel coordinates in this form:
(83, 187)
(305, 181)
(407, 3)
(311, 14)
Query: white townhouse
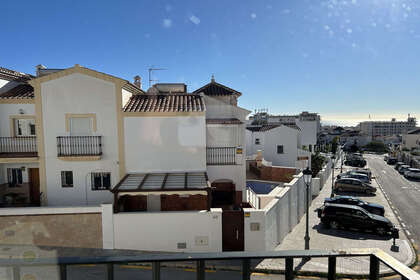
(280, 144)
(62, 139)
(69, 136)
(308, 123)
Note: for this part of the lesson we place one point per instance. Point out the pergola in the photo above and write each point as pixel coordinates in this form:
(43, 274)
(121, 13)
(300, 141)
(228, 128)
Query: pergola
(177, 183)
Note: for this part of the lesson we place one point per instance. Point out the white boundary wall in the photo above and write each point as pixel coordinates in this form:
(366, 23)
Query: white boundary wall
(266, 228)
(199, 231)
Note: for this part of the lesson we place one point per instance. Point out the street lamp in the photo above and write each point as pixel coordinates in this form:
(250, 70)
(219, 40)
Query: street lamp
(307, 178)
(332, 177)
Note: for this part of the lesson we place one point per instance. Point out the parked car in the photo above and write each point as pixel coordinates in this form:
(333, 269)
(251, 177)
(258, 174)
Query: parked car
(365, 171)
(412, 173)
(398, 164)
(353, 185)
(403, 168)
(386, 157)
(373, 208)
(350, 216)
(355, 162)
(392, 160)
(355, 175)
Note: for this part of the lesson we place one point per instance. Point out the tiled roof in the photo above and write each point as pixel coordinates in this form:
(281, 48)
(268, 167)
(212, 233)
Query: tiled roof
(216, 89)
(21, 91)
(223, 121)
(11, 75)
(165, 103)
(261, 128)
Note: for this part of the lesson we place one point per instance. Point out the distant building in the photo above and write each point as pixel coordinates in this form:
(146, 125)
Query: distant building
(385, 128)
(411, 140)
(308, 123)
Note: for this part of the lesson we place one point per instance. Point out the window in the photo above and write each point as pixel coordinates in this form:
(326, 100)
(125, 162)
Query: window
(280, 149)
(67, 179)
(14, 176)
(257, 141)
(101, 181)
(24, 127)
(80, 126)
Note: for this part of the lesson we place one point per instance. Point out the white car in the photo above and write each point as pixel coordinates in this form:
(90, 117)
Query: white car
(412, 173)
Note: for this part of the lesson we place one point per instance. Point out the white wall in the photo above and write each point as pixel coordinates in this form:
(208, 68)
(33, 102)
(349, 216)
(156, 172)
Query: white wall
(308, 132)
(7, 110)
(79, 94)
(411, 141)
(222, 135)
(236, 173)
(217, 109)
(283, 135)
(167, 144)
(162, 231)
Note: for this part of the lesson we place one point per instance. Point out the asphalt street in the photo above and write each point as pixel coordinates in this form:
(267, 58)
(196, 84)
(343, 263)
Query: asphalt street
(403, 194)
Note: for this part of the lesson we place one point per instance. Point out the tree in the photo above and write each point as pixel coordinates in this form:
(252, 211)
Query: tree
(317, 161)
(334, 145)
(377, 147)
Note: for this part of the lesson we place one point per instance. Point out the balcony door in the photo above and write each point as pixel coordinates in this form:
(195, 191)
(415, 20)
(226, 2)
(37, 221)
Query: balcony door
(80, 127)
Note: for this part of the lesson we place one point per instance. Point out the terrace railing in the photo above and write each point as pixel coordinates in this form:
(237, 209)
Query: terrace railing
(18, 146)
(110, 258)
(221, 155)
(79, 146)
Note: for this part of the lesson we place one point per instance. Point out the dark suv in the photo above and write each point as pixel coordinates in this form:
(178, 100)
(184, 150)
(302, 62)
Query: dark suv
(350, 216)
(373, 208)
(355, 162)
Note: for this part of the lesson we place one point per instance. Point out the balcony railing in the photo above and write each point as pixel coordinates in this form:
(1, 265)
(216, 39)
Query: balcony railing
(64, 258)
(79, 146)
(13, 147)
(221, 155)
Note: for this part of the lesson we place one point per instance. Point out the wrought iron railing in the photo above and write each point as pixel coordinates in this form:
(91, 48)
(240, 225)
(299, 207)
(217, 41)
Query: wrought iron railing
(79, 146)
(110, 258)
(18, 145)
(221, 155)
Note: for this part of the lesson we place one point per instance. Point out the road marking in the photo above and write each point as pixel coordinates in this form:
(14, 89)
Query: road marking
(136, 266)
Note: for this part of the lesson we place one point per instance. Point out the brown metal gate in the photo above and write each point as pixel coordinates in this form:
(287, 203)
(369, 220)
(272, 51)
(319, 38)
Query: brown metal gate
(233, 230)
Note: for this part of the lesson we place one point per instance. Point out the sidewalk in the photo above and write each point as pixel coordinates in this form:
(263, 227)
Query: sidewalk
(322, 238)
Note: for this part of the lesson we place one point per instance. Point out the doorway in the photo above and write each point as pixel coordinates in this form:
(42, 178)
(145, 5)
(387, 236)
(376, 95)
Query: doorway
(34, 192)
(233, 230)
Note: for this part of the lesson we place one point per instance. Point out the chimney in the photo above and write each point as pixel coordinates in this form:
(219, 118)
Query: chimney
(137, 81)
(38, 69)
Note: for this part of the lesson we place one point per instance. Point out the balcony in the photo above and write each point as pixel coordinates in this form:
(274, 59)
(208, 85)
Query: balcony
(89, 147)
(221, 155)
(18, 147)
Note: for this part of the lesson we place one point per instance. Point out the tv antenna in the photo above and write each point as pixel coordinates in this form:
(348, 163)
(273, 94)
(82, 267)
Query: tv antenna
(150, 74)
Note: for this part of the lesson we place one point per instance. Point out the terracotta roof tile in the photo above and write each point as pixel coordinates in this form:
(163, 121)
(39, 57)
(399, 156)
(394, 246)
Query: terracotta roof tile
(165, 103)
(11, 75)
(261, 128)
(216, 89)
(21, 91)
(223, 121)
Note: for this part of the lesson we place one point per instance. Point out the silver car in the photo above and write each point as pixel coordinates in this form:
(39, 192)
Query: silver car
(412, 173)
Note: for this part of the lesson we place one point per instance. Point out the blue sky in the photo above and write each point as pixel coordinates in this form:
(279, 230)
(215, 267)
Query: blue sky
(343, 59)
